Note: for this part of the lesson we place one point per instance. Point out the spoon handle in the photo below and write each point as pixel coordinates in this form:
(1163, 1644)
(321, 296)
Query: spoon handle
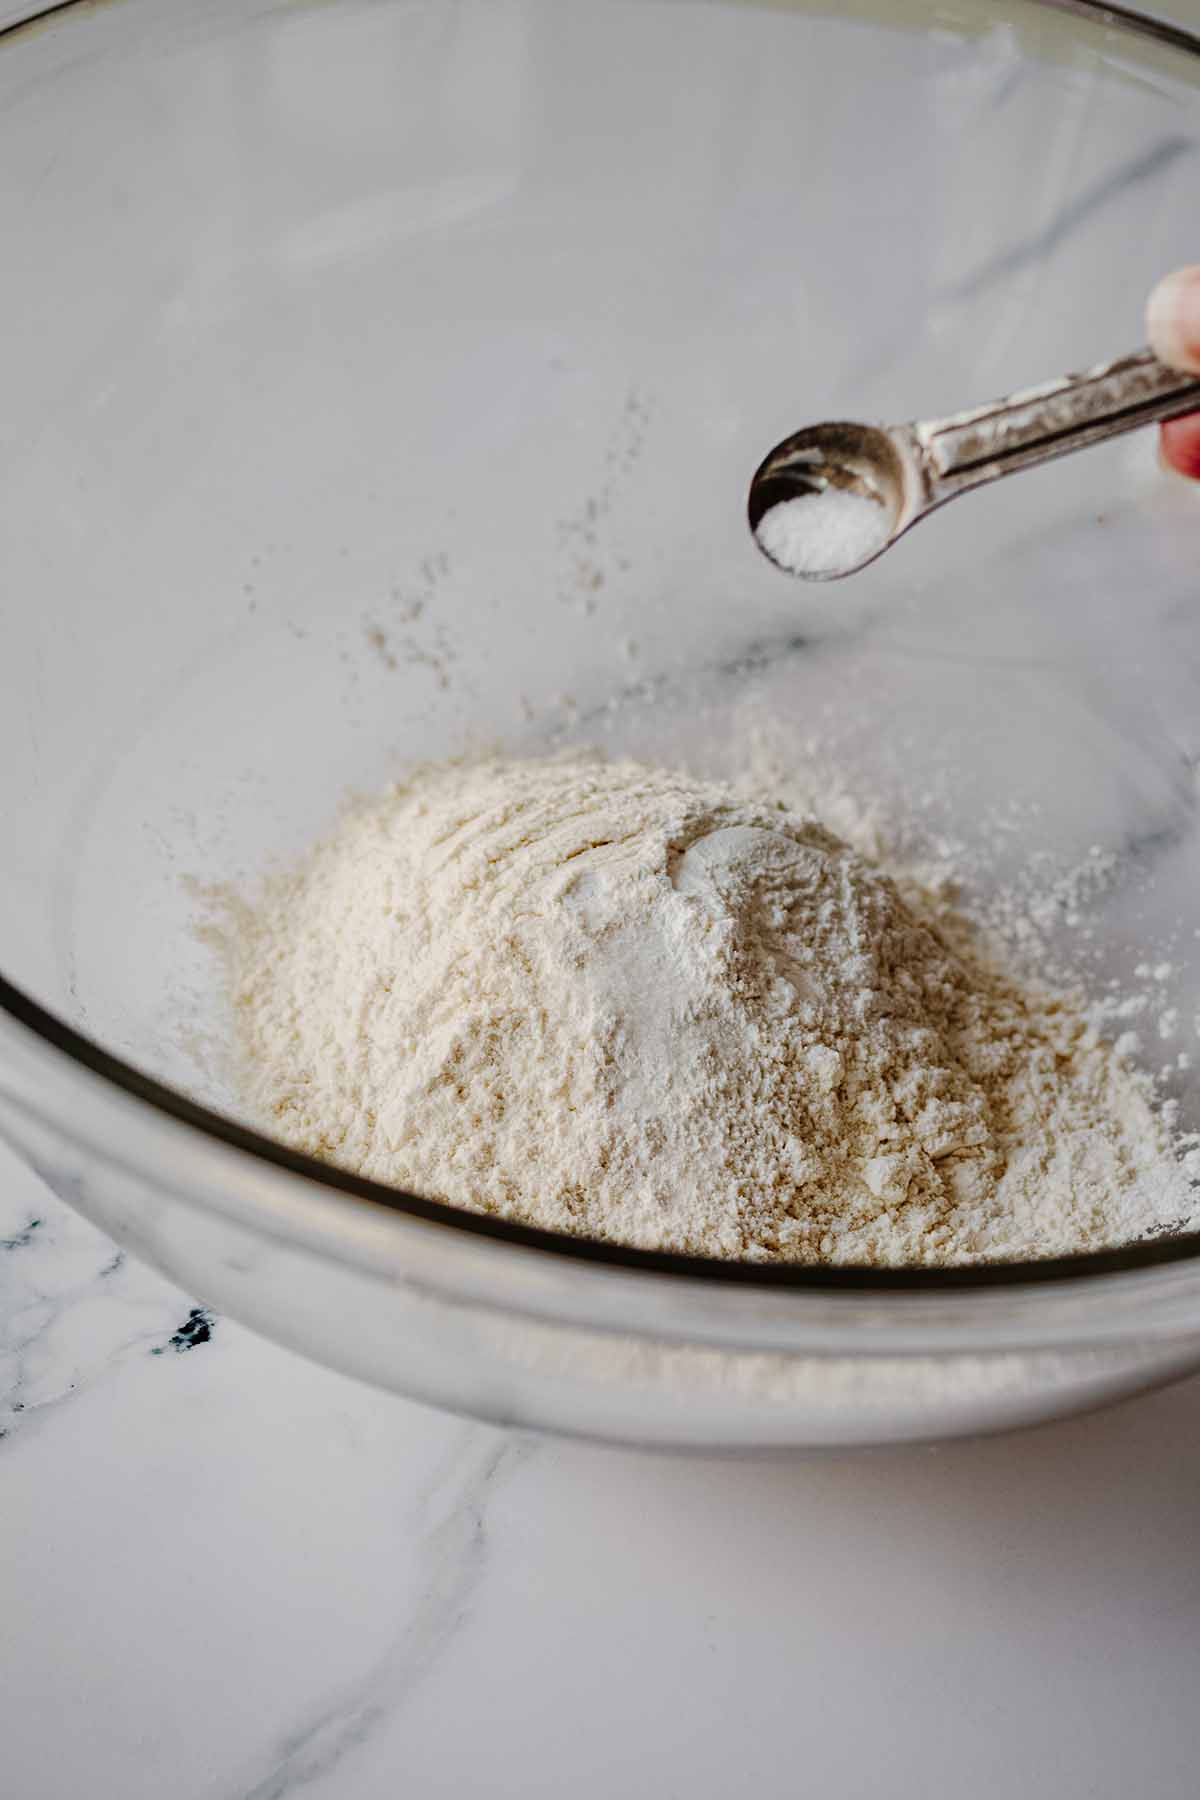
(969, 448)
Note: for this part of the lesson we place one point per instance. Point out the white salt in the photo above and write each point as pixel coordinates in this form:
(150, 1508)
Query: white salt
(824, 533)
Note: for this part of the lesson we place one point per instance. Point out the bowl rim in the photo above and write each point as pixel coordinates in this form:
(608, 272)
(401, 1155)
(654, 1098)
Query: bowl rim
(56, 1034)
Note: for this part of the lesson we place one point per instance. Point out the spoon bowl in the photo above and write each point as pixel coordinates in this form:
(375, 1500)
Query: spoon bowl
(790, 498)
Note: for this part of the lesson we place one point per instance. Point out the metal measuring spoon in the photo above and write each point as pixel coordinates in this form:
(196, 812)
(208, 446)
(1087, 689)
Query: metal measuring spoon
(830, 499)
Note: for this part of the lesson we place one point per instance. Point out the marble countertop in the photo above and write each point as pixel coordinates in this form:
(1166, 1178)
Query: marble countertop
(231, 1575)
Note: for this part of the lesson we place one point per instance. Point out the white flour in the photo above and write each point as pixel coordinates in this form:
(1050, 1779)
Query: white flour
(613, 1000)
(823, 533)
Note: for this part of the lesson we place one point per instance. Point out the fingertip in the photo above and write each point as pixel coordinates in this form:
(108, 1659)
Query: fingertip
(1173, 318)
(1179, 446)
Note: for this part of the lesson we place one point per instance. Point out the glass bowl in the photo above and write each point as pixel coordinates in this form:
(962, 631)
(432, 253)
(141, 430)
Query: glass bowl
(383, 380)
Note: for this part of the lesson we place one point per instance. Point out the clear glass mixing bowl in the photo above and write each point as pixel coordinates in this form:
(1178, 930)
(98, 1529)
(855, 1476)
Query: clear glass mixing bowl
(383, 379)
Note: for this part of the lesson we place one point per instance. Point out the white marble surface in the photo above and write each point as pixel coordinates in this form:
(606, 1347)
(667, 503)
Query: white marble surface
(230, 1575)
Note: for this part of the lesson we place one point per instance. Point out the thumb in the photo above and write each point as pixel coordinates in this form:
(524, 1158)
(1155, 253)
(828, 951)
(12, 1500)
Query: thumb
(1173, 319)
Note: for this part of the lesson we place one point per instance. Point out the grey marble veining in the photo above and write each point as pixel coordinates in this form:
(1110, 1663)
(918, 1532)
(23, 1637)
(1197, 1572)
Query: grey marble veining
(72, 1308)
(449, 1522)
(1074, 213)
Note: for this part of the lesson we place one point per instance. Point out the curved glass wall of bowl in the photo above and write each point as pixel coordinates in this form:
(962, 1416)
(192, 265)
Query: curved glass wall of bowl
(331, 253)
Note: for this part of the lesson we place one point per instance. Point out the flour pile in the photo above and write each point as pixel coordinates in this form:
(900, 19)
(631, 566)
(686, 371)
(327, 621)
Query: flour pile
(616, 1001)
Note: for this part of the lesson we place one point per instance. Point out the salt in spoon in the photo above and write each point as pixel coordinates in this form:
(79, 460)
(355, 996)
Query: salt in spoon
(830, 499)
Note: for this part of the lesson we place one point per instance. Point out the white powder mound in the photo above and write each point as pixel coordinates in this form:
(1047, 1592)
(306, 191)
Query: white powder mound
(613, 1000)
(824, 533)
